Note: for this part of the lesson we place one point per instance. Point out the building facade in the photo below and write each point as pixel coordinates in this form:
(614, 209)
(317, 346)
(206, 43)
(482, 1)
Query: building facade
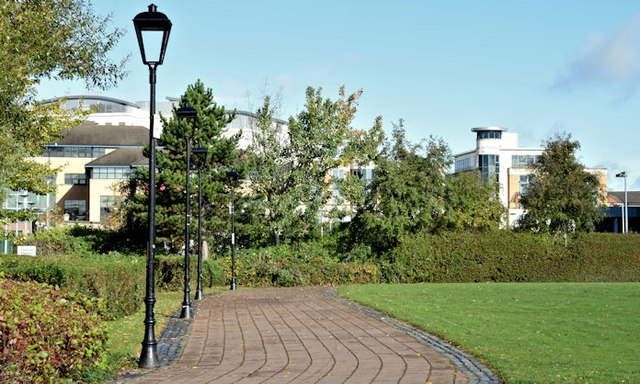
(499, 158)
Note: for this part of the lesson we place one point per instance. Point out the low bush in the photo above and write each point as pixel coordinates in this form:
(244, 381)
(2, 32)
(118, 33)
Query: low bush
(47, 335)
(170, 273)
(118, 280)
(507, 256)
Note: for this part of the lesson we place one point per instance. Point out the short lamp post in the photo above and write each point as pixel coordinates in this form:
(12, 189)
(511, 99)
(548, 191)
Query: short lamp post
(151, 27)
(187, 113)
(232, 177)
(201, 157)
(625, 208)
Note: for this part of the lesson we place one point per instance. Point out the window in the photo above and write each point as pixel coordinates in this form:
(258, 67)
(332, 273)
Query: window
(489, 135)
(76, 209)
(462, 164)
(111, 172)
(524, 161)
(75, 178)
(489, 166)
(364, 173)
(336, 174)
(58, 151)
(106, 206)
(525, 182)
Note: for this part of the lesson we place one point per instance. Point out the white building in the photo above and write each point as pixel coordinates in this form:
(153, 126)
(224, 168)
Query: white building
(498, 157)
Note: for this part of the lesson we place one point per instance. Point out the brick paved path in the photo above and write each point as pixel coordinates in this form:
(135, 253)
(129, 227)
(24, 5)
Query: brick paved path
(297, 335)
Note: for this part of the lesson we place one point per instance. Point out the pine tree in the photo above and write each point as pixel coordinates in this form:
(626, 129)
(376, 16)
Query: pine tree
(171, 179)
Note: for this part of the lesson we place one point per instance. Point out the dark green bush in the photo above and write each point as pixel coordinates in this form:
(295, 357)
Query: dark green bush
(170, 273)
(47, 335)
(120, 281)
(503, 256)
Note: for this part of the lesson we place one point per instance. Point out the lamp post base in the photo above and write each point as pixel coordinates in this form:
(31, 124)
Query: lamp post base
(198, 295)
(187, 312)
(233, 286)
(149, 356)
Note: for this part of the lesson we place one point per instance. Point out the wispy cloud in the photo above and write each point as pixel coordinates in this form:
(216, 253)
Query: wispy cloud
(611, 60)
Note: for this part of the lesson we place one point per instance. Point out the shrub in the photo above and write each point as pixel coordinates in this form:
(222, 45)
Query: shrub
(120, 281)
(507, 256)
(46, 334)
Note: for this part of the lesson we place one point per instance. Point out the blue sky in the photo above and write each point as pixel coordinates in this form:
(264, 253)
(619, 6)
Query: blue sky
(535, 67)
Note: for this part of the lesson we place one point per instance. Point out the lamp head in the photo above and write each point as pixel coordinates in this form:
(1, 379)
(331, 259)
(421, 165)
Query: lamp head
(152, 30)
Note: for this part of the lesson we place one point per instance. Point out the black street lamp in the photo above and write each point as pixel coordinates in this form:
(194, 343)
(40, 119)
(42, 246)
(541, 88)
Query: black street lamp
(188, 113)
(232, 177)
(150, 24)
(201, 158)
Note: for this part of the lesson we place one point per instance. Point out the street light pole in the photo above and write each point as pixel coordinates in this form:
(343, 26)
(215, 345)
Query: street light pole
(201, 156)
(145, 23)
(625, 207)
(233, 180)
(188, 113)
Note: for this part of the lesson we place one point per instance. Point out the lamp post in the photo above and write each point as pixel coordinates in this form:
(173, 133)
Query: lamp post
(625, 208)
(188, 113)
(232, 177)
(201, 157)
(150, 25)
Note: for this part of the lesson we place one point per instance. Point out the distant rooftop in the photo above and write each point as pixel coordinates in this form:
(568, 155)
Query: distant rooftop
(484, 129)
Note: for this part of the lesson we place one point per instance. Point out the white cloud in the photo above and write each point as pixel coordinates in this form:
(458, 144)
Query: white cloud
(611, 60)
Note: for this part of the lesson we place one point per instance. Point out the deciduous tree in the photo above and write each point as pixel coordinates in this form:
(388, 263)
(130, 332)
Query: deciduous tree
(564, 197)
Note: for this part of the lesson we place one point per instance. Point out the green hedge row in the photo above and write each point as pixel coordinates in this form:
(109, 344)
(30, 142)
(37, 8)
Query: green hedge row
(506, 256)
(119, 280)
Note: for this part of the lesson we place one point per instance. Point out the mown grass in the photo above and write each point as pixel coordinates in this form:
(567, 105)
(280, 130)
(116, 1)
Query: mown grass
(526, 332)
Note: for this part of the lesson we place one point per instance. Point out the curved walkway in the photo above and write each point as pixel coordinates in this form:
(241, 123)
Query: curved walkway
(299, 335)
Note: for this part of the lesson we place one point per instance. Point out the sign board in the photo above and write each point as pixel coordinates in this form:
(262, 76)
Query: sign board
(27, 250)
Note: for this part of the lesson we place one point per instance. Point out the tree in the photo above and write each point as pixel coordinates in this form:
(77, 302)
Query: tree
(171, 163)
(407, 192)
(45, 39)
(471, 203)
(564, 197)
(290, 166)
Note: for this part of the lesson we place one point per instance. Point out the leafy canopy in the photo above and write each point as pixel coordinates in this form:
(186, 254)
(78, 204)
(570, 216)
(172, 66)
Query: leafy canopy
(564, 197)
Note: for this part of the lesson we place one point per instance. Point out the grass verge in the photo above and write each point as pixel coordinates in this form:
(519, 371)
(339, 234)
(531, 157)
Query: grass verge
(126, 334)
(526, 332)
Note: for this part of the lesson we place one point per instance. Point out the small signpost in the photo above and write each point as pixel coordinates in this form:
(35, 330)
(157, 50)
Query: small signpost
(26, 250)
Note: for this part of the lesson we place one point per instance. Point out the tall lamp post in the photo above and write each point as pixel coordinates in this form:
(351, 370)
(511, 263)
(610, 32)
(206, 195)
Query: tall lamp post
(201, 157)
(151, 26)
(188, 113)
(232, 177)
(625, 209)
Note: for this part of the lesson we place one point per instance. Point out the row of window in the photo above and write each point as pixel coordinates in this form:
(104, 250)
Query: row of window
(89, 152)
(77, 209)
(463, 164)
(111, 172)
(489, 165)
(524, 160)
(489, 135)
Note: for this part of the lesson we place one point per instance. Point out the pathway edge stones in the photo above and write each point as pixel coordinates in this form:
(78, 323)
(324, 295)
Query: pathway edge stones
(477, 372)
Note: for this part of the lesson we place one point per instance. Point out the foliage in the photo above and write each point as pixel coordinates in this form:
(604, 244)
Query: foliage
(471, 204)
(507, 256)
(45, 39)
(289, 168)
(171, 179)
(564, 197)
(527, 333)
(407, 193)
(46, 334)
(117, 280)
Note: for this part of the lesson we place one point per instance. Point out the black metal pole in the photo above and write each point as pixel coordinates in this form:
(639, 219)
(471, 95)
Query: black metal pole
(198, 295)
(233, 240)
(149, 353)
(187, 310)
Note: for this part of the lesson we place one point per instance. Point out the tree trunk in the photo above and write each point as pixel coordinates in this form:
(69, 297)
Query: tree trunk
(277, 236)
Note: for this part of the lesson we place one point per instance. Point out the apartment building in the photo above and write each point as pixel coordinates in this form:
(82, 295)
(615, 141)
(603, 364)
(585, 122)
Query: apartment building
(498, 157)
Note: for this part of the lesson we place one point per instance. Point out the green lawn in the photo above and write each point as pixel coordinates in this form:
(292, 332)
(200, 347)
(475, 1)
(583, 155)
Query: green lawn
(527, 333)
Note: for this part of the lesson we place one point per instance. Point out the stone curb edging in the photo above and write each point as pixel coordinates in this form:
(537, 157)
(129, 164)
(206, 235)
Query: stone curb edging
(477, 372)
(171, 342)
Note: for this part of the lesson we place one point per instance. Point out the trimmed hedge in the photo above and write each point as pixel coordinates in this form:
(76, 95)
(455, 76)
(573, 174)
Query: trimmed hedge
(506, 256)
(47, 335)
